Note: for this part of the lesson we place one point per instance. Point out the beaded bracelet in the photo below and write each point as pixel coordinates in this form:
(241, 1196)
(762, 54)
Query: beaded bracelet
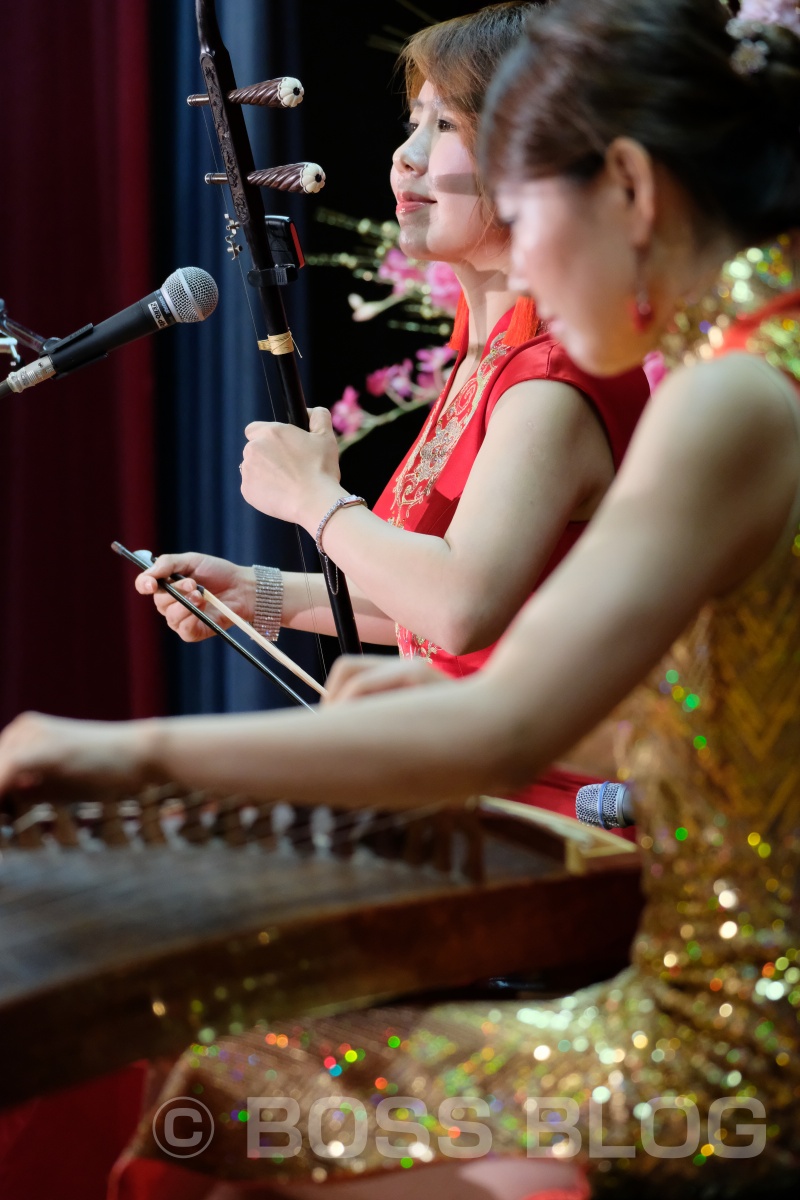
(342, 502)
(269, 601)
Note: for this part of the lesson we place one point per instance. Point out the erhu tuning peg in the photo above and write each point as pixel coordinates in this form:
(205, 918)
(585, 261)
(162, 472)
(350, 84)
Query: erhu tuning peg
(295, 177)
(286, 92)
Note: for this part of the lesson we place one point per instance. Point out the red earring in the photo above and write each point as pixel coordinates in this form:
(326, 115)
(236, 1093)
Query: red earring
(640, 308)
(641, 311)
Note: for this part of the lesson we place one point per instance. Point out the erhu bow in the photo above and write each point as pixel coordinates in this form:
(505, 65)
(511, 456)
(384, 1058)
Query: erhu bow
(267, 276)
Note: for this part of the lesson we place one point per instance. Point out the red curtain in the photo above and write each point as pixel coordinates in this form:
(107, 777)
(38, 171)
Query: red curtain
(76, 455)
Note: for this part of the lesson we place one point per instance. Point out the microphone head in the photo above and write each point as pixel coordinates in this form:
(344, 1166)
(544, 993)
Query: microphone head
(604, 804)
(191, 294)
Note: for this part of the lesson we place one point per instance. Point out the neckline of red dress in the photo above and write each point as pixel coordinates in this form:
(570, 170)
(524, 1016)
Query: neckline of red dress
(501, 326)
(787, 302)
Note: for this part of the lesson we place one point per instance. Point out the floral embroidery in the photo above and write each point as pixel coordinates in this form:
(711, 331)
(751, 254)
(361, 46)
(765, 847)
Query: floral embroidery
(411, 645)
(427, 460)
(430, 454)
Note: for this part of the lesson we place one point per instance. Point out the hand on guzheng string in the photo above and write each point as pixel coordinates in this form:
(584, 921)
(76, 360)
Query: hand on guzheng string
(56, 758)
(289, 473)
(235, 585)
(355, 676)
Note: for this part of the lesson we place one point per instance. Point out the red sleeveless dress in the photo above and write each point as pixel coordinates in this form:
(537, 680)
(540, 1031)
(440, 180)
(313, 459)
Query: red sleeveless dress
(424, 492)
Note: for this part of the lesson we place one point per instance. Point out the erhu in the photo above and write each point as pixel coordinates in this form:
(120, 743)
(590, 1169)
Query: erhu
(272, 242)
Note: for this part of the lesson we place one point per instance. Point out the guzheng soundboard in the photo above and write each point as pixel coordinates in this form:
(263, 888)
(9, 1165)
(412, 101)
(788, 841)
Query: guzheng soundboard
(132, 928)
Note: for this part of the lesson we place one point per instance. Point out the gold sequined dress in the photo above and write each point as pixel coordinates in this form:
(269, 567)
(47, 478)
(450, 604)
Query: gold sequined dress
(645, 1066)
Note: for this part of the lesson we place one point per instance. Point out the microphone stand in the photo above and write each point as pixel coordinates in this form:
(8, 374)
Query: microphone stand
(21, 333)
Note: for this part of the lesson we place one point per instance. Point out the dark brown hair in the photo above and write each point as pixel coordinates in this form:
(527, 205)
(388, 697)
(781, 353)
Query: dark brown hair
(459, 57)
(660, 72)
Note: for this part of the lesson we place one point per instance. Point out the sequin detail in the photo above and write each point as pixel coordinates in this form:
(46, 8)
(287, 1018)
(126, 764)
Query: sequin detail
(752, 279)
(636, 1070)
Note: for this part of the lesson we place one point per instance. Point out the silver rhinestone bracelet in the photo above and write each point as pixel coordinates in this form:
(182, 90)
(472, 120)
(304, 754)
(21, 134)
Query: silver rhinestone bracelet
(269, 602)
(342, 502)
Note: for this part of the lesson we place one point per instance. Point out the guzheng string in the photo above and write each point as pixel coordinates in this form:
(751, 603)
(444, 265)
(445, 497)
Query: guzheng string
(365, 823)
(341, 821)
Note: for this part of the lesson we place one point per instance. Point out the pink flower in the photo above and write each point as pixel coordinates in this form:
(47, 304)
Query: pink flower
(444, 287)
(400, 271)
(655, 369)
(377, 382)
(771, 12)
(430, 363)
(435, 357)
(397, 377)
(347, 414)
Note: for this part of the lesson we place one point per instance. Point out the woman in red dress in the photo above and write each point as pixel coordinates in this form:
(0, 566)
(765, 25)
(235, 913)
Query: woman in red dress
(512, 462)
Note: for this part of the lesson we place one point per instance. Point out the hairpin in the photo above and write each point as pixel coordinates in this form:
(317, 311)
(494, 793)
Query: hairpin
(751, 21)
(751, 55)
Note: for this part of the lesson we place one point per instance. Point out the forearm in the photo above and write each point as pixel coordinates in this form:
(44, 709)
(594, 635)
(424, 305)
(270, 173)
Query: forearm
(306, 606)
(549, 682)
(378, 751)
(419, 580)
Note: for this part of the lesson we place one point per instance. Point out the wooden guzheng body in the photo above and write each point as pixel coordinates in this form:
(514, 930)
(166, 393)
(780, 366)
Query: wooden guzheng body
(132, 928)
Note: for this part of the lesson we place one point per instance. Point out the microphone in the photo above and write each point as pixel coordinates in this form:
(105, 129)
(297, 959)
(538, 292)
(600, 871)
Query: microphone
(187, 295)
(609, 805)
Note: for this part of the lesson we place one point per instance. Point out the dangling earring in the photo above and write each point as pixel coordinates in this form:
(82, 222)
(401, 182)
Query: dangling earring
(460, 326)
(640, 308)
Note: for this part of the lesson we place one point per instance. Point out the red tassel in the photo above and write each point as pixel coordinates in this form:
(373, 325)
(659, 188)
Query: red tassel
(560, 1194)
(524, 323)
(460, 326)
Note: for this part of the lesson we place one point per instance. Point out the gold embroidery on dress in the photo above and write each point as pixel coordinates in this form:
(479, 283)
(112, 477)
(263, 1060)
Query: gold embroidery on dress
(425, 463)
(412, 645)
(430, 455)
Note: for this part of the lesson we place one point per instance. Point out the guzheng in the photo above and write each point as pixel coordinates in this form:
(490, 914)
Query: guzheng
(132, 928)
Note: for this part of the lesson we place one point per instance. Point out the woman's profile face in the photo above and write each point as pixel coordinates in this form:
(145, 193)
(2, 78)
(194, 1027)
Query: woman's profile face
(439, 208)
(571, 249)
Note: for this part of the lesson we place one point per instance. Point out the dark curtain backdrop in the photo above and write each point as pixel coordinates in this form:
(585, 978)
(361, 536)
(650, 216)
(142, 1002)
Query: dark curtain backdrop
(76, 456)
(102, 197)
(213, 380)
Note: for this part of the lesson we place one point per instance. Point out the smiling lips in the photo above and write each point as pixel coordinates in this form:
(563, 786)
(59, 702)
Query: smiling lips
(410, 202)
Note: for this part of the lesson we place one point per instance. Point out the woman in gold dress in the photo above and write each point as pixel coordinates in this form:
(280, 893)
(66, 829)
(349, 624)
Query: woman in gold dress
(635, 146)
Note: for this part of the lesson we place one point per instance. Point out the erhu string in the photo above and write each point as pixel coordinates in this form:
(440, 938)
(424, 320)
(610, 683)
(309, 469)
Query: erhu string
(214, 145)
